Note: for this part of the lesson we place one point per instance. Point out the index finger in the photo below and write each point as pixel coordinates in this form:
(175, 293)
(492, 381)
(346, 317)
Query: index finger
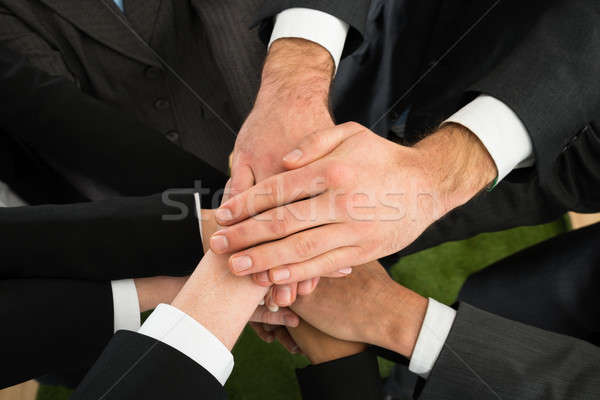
(275, 191)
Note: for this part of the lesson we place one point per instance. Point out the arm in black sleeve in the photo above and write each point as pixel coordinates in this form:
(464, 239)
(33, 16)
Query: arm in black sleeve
(550, 80)
(53, 117)
(354, 377)
(112, 239)
(52, 324)
(134, 366)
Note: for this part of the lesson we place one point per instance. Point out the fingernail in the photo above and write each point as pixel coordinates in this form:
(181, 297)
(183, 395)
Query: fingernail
(281, 275)
(273, 307)
(345, 271)
(263, 276)
(293, 156)
(284, 295)
(262, 302)
(223, 214)
(241, 263)
(219, 243)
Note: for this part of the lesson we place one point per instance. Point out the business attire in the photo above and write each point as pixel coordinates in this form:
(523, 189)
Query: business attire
(484, 65)
(164, 63)
(46, 331)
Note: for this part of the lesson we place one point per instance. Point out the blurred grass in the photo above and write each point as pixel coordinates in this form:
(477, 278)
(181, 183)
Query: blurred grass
(266, 371)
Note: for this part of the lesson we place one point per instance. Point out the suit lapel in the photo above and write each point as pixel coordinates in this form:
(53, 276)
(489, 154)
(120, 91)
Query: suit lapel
(142, 15)
(103, 21)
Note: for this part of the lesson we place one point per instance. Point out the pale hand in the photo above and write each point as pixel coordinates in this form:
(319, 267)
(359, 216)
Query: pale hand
(353, 197)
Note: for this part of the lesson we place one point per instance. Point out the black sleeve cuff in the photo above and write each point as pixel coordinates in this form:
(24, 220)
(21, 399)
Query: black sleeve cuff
(355, 377)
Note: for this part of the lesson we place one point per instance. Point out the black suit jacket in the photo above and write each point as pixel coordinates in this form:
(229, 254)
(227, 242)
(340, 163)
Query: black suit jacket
(105, 53)
(110, 239)
(426, 59)
(135, 366)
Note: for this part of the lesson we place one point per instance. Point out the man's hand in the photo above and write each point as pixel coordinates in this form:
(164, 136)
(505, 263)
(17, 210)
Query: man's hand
(354, 197)
(293, 101)
(368, 307)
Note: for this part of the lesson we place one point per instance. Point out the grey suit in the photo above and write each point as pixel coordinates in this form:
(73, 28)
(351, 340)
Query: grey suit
(490, 357)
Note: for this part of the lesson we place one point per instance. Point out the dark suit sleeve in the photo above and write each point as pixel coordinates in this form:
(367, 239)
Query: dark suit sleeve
(106, 240)
(355, 377)
(353, 12)
(51, 116)
(490, 357)
(134, 366)
(551, 81)
(50, 325)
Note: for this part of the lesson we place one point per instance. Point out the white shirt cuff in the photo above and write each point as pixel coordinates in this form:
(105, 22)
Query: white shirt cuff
(314, 25)
(500, 130)
(126, 305)
(180, 331)
(199, 214)
(432, 337)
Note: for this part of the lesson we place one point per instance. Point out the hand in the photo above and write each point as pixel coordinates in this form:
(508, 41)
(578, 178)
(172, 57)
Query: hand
(292, 102)
(319, 347)
(354, 197)
(366, 307)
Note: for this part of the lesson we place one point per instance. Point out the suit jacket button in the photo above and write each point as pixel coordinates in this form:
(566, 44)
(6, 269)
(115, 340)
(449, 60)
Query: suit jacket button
(173, 136)
(153, 73)
(162, 104)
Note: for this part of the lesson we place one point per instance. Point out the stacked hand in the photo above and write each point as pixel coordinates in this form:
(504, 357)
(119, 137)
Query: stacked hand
(349, 197)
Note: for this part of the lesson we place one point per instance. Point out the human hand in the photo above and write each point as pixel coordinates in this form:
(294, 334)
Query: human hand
(319, 347)
(292, 102)
(365, 307)
(353, 198)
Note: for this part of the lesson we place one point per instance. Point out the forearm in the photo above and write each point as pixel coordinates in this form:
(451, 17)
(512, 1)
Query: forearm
(297, 73)
(320, 347)
(220, 301)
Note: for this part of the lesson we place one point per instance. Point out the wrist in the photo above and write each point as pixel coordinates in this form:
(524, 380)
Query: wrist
(297, 73)
(397, 324)
(155, 290)
(459, 163)
(221, 302)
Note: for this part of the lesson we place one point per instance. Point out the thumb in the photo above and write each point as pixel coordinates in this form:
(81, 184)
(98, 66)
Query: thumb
(242, 179)
(319, 144)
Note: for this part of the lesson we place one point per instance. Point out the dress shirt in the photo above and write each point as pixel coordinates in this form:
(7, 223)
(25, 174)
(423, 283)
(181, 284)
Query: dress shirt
(8, 198)
(432, 338)
(316, 26)
(180, 331)
(119, 4)
(493, 122)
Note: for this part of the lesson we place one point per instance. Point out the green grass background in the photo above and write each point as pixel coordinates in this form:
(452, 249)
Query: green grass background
(266, 371)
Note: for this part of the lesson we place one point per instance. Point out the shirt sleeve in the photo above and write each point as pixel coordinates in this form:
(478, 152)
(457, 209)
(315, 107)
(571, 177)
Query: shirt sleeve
(314, 25)
(126, 305)
(501, 132)
(432, 338)
(180, 331)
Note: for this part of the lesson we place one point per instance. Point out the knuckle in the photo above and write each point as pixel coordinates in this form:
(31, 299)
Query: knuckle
(351, 125)
(305, 247)
(278, 226)
(338, 174)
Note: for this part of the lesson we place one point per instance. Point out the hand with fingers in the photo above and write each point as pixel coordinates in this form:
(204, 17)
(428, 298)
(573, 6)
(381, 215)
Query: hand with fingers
(293, 101)
(365, 307)
(349, 197)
